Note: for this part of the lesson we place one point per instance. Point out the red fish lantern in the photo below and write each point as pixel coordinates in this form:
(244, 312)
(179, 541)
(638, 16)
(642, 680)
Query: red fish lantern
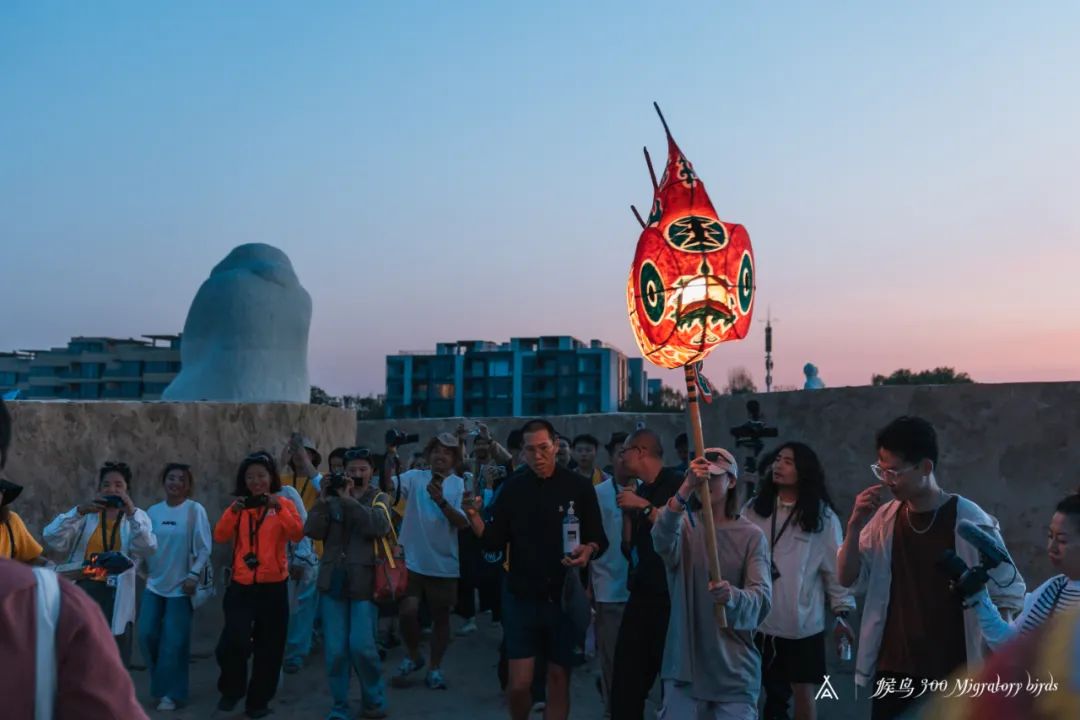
(691, 285)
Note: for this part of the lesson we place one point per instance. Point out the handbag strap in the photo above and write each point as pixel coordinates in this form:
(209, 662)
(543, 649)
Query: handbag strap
(385, 543)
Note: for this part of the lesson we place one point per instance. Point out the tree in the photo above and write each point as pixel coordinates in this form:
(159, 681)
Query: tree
(740, 382)
(319, 396)
(937, 376)
(668, 400)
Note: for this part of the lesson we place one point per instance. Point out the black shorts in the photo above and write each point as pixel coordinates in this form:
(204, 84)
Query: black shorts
(793, 661)
(539, 627)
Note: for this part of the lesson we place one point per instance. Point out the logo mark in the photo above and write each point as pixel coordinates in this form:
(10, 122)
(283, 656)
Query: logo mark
(826, 691)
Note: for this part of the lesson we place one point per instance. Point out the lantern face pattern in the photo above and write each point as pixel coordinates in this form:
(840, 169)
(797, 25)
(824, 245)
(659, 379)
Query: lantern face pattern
(691, 286)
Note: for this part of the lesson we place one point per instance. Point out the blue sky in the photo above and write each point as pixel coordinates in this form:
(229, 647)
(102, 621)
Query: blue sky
(440, 171)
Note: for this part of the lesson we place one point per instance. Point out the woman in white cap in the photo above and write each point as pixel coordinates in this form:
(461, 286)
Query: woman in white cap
(709, 671)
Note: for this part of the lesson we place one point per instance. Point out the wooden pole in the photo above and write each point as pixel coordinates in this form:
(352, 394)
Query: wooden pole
(703, 493)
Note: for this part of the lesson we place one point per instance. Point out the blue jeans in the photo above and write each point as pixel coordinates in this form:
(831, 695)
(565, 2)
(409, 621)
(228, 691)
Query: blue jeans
(349, 628)
(165, 641)
(302, 625)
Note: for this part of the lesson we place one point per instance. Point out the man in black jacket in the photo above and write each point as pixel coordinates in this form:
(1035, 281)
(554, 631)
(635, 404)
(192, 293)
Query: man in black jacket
(529, 517)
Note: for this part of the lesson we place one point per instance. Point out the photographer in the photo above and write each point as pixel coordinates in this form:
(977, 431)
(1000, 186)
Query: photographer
(793, 508)
(913, 626)
(260, 526)
(110, 522)
(16, 542)
(299, 474)
(429, 535)
(1059, 594)
(349, 518)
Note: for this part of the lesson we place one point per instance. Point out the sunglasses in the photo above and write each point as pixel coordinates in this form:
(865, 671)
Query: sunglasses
(715, 456)
(259, 456)
(121, 466)
(357, 454)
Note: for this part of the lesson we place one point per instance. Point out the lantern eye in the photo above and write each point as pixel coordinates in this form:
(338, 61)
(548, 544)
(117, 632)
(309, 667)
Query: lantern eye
(697, 234)
(746, 283)
(652, 292)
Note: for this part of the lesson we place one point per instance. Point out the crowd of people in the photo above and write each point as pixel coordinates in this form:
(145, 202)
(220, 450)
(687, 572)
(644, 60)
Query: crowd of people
(571, 558)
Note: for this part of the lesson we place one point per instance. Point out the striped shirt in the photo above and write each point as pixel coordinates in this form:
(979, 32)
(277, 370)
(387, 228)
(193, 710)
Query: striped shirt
(1057, 594)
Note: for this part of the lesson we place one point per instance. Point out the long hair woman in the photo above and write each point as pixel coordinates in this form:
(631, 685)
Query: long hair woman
(183, 549)
(260, 526)
(793, 508)
(109, 522)
(350, 519)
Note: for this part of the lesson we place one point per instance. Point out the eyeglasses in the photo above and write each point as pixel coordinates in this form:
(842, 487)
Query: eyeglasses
(888, 474)
(358, 454)
(120, 466)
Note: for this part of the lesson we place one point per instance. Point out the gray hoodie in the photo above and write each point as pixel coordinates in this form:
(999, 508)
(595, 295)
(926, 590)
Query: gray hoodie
(720, 665)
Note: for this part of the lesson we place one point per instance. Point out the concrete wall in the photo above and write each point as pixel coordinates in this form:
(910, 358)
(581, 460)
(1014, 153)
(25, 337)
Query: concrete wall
(1014, 449)
(58, 447)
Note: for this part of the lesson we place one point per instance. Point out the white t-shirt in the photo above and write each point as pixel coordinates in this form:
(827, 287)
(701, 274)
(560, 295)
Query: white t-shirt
(610, 569)
(172, 562)
(430, 541)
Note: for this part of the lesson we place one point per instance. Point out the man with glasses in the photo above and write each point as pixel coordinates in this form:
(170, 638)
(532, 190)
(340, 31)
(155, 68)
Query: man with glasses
(528, 515)
(639, 650)
(913, 627)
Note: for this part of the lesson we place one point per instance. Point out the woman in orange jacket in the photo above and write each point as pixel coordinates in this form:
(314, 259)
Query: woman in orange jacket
(259, 525)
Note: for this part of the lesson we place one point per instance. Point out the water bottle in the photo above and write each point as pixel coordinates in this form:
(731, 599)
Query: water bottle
(571, 531)
(844, 648)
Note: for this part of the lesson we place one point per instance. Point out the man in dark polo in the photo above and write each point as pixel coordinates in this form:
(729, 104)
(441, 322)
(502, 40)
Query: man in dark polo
(528, 517)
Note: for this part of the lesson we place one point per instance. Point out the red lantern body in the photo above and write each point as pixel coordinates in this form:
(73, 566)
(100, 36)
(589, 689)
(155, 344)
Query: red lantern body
(691, 286)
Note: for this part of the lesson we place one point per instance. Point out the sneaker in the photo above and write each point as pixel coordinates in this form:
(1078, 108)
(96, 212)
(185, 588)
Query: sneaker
(166, 704)
(373, 713)
(468, 628)
(228, 704)
(435, 680)
(405, 669)
(538, 707)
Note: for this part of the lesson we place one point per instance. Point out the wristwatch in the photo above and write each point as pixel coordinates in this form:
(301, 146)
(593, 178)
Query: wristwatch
(647, 511)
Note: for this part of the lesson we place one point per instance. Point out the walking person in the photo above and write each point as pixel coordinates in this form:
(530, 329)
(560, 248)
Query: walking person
(260, 525)
(350, 519)
(300, 462)
(109, 522)
(183, 550)
(709, 672)
(793, 508)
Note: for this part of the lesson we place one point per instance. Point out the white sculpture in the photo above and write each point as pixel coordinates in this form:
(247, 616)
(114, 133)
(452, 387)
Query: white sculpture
(813, 382)
(246, 335)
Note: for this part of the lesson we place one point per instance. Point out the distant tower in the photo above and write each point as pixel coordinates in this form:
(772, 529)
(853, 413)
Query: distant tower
(768, 353)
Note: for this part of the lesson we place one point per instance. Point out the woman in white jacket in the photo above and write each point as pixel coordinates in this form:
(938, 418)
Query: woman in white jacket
(109, 522)
(792, 507)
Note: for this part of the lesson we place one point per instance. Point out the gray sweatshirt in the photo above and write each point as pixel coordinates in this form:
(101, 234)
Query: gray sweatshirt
(720, 665)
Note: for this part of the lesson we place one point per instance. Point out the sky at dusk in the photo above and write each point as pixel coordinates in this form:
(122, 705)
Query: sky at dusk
(441, 171)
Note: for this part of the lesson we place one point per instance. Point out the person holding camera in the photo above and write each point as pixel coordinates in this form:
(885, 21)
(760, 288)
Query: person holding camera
(349, 519)
(429, 534)
(260, 526)
(793, 508)
(913, 626)
(173, 572)
(108, 523)
(300, 462)
(1059, 594)
(709, 671)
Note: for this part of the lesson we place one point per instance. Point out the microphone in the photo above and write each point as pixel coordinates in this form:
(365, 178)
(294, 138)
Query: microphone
(993, 554)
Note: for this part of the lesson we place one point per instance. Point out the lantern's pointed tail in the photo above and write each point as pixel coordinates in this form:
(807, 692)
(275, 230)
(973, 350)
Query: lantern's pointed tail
(663, 121)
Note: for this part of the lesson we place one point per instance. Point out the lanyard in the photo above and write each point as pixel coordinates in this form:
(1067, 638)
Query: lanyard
(107, 544)
(307, 481)
(774, 536)
(253, 529)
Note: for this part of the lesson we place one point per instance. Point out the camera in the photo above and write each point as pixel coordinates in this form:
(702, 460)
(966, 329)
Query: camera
(335, 482)
(111, 501)
(9, 491)
(256, 501)
(963, 581)
(251, 560)
(396, 438)
(749, 435)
